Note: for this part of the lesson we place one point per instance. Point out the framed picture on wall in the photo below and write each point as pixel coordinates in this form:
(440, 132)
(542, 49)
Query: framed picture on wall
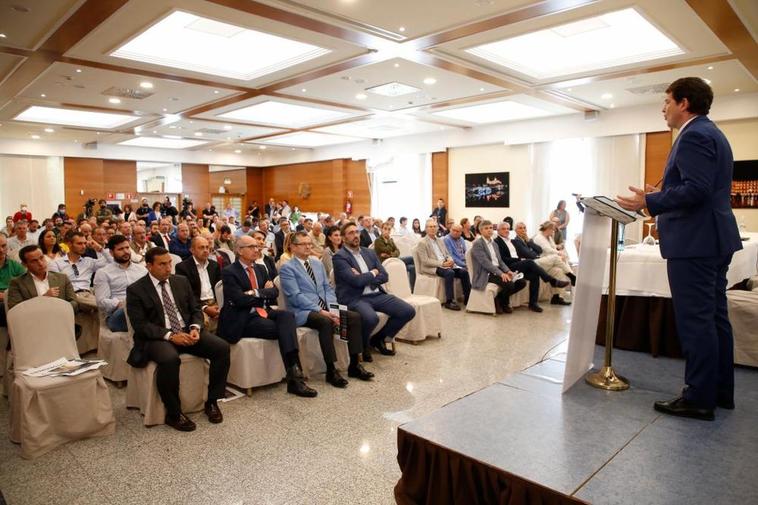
(488, 189)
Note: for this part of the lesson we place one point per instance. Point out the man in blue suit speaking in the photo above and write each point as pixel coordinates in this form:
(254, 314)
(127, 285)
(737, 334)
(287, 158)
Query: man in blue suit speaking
(698, 236)
(309, 294)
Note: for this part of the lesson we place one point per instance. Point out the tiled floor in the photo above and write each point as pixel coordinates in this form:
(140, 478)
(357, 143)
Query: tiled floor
(274, 448)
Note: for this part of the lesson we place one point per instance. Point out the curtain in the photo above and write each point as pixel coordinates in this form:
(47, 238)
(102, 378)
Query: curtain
(34, 180)
(401, 185)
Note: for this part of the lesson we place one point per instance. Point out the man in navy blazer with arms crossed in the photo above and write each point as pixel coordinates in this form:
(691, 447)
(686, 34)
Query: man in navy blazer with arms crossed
(698, 236)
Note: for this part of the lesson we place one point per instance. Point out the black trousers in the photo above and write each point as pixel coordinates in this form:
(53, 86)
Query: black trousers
(449, 275)
(279, 325)
(399, 313)
(325, 328)
(533, 273)
(508, 288)
(166, 356)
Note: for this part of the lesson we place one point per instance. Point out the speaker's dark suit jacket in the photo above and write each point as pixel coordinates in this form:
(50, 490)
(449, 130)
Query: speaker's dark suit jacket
(236, 310)
(145, 309)
(188, 269)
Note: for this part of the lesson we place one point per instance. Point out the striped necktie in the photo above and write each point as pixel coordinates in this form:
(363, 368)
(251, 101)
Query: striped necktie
(308, 269)
(170, 308)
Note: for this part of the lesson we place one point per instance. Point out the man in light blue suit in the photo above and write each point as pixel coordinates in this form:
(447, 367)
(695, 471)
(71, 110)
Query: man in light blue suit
(699, 235)
(308, 292)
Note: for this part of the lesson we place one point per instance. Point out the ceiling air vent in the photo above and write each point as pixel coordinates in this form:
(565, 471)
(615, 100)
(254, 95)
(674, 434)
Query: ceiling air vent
(211, 131)
(650, 89)
(135, 94)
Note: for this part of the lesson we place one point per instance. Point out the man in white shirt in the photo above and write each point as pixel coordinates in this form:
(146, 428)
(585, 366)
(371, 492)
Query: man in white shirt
(79, 268)
(37, 281)
(19, 239)
(434, 259)
(140, 245)
(112, 280)
(203, 274)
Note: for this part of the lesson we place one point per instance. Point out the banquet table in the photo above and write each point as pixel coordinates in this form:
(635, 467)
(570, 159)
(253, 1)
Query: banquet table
(644, 319)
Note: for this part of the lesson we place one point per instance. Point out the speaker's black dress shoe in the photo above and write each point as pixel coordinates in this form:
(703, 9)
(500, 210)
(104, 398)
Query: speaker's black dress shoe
(213, 412)
(359, 372)
(557, 300)
(334, 378)
(180, 422)
(682, 408)
(380, 346)
(367, 357)
(451, 305)
(535, 308)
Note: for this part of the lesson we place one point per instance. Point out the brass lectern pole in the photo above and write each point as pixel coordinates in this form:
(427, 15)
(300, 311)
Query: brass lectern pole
(606, 378)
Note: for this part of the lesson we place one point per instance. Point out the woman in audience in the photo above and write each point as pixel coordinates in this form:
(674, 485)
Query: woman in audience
(295, 215)
(563, 217)
(287, 254)
(155, 214)
(468, 233)
(332, 244)
(48, 242)
(129, 214)
(544, 240)
(385, 247)
(417, 227)
(202, 225)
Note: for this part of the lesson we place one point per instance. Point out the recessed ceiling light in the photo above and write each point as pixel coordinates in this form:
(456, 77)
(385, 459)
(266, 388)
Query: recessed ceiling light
(309, 139)
(114, 100)
(76, 141)
(216, 92)
(430, 80)
(262, 148)
(612, 39)
(155, 131)
(160, 142)
(35, 137)
(189, 42)
(227, 127)
(73, 117)
(97, 133)
(171, 136)
(49, 130)
(292, 148)
(396, 65)
(495, 112)
(393, 89)
(237, 151)
(2, 36)
(146, 85)
(78, 70)
(606, 96)
(283, 114)
(710, 67)
(481, 89)
(303, 90)
(402, 29)
(736, 90)
(198, 134)
(165, 109)
(43, 95)
(361, 96)
(172, 127)
(569, 89)
(612, 106)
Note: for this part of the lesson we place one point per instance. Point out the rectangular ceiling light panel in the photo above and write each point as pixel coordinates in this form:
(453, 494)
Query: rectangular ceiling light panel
(163, 143)
(309, 139)
(189, 42)
(283, 114)
(393, 89)
(72, 117)
(613, 39)
(493, 112)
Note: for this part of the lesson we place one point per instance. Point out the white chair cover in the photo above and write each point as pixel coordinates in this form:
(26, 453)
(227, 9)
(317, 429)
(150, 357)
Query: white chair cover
(114, 348)
(432, 285)
(48, 412)
(481, 300)
(142, 390)
(175, 260)
(404, 245)
(428, 318)
(743, 314)
(311, 357)
(254, 361)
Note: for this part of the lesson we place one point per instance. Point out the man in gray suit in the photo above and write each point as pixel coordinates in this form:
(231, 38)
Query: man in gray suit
(37, 281)
(488, 266)
(434, 259)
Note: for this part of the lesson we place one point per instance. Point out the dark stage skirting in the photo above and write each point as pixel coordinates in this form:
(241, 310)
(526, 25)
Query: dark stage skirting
(434, 475)
(642, 323)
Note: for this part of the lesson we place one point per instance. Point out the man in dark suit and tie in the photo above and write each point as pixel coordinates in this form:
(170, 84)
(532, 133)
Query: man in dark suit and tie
(369, 233)
(162, 239)
(309, 294)
(266, 260)
(359, 277)
(202, 275)
(248, 296)
(167, 321)
(280, 236)
(698, 235)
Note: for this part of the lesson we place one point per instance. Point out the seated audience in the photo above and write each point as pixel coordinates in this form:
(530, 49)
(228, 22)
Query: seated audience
(19, 239)
(169, 327)
(403, 229)
(265, 259)
(143, 210)
(309, 294)
(61, 211)
(48, 243)
(245, 229)
(79, 269)
(332, 243)
(434, 259)
(287, 253)
(180, 244)
(163, 237)
(112, 280)
(466, 232)
(103, 212)
(97, 245)
(23, 214)
(558, 237)
(416, 228)
(225, 239)
(385, 247)
(359, 277)
(488, 266)
(369, 233)
(552, 263)
(34, 230)
(37, 281)
(203, 275)
(318, 239)
(139, 244)
(532, 272)
(8, 229)
(247, 312)
(456, 245)
(8, 270)
(546, 241)
(280, 236)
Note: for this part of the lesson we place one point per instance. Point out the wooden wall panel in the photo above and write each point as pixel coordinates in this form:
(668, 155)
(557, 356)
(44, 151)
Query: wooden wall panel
(657, 148)
(238, 178)
(82, 175)
(356, 180)
(440, 177)
(254, 186)
(120, 176)
(196, 183)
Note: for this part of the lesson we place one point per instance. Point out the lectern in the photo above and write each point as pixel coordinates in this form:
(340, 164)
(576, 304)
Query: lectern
(602, 217)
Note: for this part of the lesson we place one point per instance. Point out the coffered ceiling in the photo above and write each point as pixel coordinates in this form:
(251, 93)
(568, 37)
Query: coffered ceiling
(242, 75)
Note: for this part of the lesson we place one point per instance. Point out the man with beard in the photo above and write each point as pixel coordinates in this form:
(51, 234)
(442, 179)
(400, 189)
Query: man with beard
(111, 282)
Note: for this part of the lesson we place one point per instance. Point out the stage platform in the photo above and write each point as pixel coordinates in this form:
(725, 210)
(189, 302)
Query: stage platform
(589, 445)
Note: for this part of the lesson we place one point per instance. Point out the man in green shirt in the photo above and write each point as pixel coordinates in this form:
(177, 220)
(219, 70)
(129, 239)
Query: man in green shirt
(8, 270)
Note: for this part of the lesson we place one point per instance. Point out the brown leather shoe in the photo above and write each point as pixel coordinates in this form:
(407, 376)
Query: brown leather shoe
(213, 412)
(180, 422)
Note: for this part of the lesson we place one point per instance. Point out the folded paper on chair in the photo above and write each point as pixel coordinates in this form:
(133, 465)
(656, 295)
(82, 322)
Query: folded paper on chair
(63, 367)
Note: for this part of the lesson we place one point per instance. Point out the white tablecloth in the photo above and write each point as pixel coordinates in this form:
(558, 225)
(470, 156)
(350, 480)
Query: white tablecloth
(641, 270)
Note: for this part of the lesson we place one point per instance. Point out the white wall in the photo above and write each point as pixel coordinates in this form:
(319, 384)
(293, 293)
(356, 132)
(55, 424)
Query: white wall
(34, 180)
